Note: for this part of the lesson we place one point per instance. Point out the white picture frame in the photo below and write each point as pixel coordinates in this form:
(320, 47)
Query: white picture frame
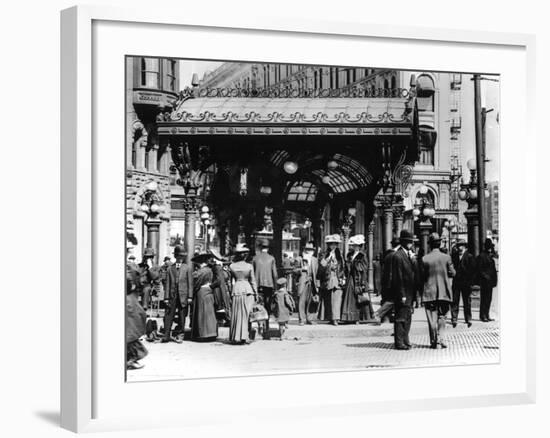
(83, 205)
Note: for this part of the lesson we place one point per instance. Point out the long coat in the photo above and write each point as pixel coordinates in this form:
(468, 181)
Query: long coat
(182, 284)
(265, 270)
(465, 270)
(135, 318)
(403, 277)
(356, 269)
(204, 324)
(486, 270)
(437, 272)
(309, 267)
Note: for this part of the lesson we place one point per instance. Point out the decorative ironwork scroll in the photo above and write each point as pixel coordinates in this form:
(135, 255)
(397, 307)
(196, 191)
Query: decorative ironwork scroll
(285, 93)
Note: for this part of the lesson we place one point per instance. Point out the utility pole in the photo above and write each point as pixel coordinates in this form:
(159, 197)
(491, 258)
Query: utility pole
(480, 159)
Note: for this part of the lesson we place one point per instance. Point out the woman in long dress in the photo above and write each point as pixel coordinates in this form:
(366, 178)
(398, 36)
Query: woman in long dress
(356, 283)
(204, 326)
(243, 295)
(332, 280)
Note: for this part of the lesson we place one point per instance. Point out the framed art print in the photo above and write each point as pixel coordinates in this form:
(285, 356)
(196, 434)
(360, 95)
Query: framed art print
(317, 207)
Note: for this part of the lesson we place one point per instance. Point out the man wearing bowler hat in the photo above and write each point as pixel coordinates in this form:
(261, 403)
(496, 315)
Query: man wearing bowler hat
(487, 276)
(385, 284)
(179, 293)
(465, 265)
(437, 270)
(403, 283)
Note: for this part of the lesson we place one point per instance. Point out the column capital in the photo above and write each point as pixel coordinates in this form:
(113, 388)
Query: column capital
(398, 210)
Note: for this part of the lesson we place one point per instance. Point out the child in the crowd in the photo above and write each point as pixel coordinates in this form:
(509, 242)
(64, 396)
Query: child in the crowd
(282, 306)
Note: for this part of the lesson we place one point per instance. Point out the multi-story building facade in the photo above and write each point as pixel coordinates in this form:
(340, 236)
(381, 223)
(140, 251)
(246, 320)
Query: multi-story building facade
(151, 89)
(438, 168)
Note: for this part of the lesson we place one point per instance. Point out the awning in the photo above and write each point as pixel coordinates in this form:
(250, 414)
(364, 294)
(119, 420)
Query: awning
(290, 116)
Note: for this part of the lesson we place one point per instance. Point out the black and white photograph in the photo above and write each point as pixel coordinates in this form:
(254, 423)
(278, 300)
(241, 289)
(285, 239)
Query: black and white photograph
(285, 218)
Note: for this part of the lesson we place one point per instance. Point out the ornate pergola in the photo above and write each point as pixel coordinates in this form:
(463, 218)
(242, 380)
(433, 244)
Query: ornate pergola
(293, 154)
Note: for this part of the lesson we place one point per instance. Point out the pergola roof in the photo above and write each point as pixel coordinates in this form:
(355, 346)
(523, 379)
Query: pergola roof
(261, 116)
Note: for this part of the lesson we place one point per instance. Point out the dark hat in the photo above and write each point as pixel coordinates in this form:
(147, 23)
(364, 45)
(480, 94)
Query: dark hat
(434, 237)
(178, 251)
(395, 241)
(406, 235)
(264, 243)
(148, 252)
(488, 243)
(132, 257)
(461, 242)
(202, 257)
(166, 259)
(281, 281)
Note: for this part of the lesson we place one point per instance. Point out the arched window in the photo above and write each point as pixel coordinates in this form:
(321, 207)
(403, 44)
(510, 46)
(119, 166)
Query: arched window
(386, 84)
(393, 83)
(425, 89)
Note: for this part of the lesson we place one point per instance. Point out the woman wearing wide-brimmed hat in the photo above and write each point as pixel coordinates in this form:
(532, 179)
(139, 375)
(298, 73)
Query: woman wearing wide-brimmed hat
(356, 282)
(331, 273)
(243, 295)
(204, 325)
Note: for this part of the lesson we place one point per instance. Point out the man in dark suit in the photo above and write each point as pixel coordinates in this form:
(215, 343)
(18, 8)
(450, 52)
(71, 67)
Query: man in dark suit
(403, 283)
(308, 285)
(265, 270)
(465, 265)
(385, 284)
(179, 293)
(437, 270)
(487, 275)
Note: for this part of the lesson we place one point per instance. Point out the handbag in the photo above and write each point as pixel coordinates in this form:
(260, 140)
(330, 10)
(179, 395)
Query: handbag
(363, 298)
(258, 313)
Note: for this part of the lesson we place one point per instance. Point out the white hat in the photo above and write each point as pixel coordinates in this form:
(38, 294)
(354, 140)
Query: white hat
(358, 239)
(241, 247)
(333, 238)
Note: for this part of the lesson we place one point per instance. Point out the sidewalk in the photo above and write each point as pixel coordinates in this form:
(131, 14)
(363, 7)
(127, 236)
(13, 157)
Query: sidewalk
(322, 329)
(318, 348)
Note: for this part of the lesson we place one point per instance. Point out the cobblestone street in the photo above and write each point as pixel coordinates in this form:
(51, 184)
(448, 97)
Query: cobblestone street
(319, 348)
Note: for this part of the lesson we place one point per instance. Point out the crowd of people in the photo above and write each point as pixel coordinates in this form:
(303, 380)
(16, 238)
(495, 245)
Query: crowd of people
(243, 291)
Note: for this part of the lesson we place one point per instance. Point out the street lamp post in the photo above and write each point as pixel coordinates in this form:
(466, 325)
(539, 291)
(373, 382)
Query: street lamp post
(307, 225)
(190, 180)
(449, 225)
(205, 219)
(152, 206)
(423, 212)
(469, 193)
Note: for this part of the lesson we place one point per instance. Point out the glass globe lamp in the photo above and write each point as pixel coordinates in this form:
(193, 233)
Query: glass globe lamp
(290, 167)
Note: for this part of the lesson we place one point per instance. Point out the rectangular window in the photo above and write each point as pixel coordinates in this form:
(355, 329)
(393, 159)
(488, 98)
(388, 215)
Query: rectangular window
(171, 74)
(150, 72)
(427, 156)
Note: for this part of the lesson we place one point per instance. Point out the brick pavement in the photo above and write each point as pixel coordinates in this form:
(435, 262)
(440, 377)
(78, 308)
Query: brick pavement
(301, 353)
